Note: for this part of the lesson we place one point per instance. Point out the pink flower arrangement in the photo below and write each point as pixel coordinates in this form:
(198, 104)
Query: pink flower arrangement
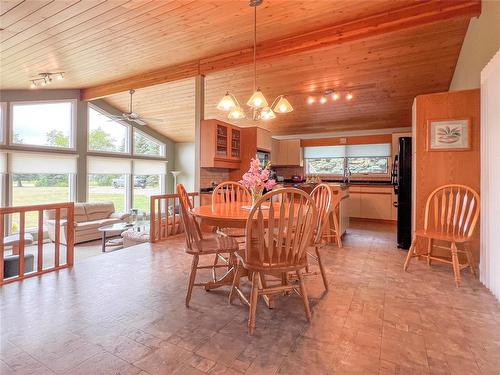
(257, 177)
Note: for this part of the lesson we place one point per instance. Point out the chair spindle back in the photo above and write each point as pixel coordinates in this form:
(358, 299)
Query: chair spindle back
(322, 197)
(191, 227)
(453, 210)
(279, 232)
(230, 191)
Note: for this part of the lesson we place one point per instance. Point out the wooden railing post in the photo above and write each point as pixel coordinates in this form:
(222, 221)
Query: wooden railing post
(39, 263)
(21, 243)
(2, 235)
(57, 242)
(152, 220)
(70, 234)
(163, 227)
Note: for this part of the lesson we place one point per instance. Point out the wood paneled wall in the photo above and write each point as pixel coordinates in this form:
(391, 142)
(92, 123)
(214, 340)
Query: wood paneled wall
(436, 168)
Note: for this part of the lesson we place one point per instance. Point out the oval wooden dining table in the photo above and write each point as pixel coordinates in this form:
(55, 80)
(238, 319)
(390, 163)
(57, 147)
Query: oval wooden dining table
(228, 215)
(223, 215)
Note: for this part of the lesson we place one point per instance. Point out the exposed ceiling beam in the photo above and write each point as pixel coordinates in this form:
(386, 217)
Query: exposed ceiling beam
(420, 13)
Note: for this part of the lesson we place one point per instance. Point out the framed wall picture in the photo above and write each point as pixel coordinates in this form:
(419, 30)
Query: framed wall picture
(449, 135)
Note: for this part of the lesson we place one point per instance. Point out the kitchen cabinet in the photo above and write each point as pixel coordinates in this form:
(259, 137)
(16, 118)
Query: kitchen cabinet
(371, 202)
(287, 152)
(220, 146)
(264, 140)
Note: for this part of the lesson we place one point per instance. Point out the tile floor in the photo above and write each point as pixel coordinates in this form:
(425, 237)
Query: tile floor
(123, 313)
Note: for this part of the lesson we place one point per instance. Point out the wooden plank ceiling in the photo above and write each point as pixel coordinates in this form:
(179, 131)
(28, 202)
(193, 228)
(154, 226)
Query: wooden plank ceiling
(98, 41)
(173, 103)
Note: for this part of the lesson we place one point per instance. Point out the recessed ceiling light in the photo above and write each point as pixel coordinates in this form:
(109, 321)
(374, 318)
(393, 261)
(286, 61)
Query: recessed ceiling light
(322, 100)
(311, 100)
(349, 96)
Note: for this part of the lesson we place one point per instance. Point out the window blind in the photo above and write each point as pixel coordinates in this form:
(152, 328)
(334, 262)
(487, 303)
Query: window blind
(103, 165)
(42, 163)
(148, 167)
(367, 150)
(318, 152)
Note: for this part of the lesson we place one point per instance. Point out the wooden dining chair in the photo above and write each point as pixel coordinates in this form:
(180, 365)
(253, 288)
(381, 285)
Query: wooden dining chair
(198, 245)
(322, 196)
(277, 236)
(451, 215)
(332, 229)
(232, 192)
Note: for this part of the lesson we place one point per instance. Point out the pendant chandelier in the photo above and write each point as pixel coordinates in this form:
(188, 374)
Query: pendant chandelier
(257, 102)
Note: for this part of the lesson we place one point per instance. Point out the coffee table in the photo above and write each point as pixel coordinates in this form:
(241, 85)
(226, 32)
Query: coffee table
(106, 229)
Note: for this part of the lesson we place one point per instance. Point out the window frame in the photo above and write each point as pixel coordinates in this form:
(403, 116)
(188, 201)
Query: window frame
(163, 146)
(346, 160)
(372, 175)
(3, 123)
(322, 174)
(72, 135)
(123, 123)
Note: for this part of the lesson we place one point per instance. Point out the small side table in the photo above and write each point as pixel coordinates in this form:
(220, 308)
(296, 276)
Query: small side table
(118, 228)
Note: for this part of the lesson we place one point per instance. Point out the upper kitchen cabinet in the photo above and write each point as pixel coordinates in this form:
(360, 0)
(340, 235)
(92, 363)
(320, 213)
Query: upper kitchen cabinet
(220, 146)
(264, 140)
(287, 153)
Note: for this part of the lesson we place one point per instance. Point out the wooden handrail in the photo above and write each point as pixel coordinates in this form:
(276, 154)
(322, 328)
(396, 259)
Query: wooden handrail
(165, 221)
(20, 247)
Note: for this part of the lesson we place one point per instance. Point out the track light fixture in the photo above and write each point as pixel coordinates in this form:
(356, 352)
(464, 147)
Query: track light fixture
(44, 79)
(322, 98)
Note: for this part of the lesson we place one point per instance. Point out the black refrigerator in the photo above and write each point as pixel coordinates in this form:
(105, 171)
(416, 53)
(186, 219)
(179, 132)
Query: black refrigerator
(401, 179)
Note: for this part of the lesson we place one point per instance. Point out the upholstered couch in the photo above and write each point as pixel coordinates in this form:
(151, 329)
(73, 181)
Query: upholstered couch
(88, 217)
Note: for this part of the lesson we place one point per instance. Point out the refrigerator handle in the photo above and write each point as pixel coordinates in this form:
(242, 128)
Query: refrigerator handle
(394, 174)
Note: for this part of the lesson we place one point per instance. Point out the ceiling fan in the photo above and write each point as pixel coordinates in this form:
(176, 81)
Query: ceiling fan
(134, 116)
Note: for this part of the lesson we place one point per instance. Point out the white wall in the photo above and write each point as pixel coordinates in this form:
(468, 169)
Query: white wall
(490, 175)
(184, 161)
(480, 44)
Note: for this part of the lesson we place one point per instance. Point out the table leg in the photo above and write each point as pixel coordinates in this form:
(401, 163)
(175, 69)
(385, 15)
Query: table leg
(103, 241)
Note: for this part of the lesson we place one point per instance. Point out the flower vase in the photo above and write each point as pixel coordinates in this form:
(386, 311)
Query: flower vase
(256, 195)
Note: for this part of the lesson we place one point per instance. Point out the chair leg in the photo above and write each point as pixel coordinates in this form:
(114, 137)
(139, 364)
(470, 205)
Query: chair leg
(236, 282)
(429, 252)
(192, 277)
(456, 264)
(470, 259)
(338, 235)
(253, 302)
(321, 268)
(214, 269)
(263, 285)
(411, 252)
(303, 292)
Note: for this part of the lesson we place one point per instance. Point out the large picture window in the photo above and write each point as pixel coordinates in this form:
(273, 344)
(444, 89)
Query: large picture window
(144, 187)
(367, 159)
(108, 188)
(148, 181)
(38, 188)
(40, 178)
(106, 134)
(108, 180)
(47, 124)
(146, 145)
